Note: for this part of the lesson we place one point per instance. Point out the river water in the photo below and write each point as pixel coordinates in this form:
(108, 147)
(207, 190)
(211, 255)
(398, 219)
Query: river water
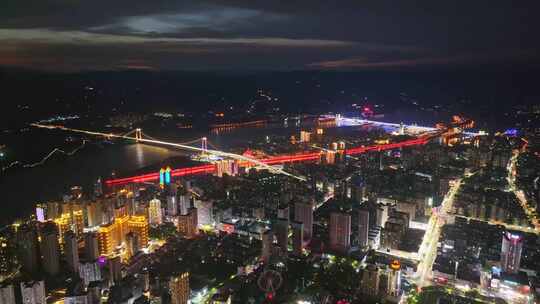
(22, 188)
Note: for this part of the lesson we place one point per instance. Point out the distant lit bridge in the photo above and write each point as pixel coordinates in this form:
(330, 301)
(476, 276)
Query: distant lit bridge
(245, 161)
(139, 138)
(412, 128)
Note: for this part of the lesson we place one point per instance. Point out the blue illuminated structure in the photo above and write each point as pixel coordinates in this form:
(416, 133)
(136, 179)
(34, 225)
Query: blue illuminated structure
(168, 175)
(511, 132)
(164, 176)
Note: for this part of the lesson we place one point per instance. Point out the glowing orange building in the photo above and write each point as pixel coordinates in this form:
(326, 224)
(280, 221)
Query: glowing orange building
(187, 224)
(70, 221)
(179, 288)
(114, 234)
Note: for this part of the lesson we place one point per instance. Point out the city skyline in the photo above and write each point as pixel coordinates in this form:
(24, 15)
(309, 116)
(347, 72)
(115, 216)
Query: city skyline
(235, 152)
(396, 222)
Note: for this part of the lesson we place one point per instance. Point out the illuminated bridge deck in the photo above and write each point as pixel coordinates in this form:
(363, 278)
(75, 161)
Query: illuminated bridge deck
(277, 160)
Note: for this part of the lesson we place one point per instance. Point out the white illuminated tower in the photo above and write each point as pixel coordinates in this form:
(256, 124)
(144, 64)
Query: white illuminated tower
(154, 212)
(512, 244)
(172, 205)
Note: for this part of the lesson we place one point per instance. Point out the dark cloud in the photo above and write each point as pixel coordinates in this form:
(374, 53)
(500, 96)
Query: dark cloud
(349, 34)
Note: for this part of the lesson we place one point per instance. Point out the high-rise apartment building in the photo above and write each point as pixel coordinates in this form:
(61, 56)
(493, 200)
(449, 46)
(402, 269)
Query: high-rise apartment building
(363, 228)
(184, 202)
(28, 248)
(370, 281)
(91, 246)
(297, 238)
(50, 249)
(205, 215)
(7, 294)
(187, 224)
(340, 231)
(132, 244)
(115, 270)
(89, 272)
(71, 251)
(155, 216)
(267, 244)
(281, 231)
(112, 235)
(512, 245)
(172, 205)
(303, 212)
(33, 292)
(94, 213)
(179, 288)
(72, 219)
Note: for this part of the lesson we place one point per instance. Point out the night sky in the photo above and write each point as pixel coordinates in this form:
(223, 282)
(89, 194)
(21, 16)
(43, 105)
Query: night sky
(78, 35)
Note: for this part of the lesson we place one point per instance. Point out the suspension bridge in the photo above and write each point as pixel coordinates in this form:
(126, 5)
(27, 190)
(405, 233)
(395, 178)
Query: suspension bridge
(245, 161)
(150, 140)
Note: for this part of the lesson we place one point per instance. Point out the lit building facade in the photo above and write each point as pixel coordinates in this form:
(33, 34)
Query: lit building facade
(76, 299)
(94, 214)
(155, 216)
(512, 245)
(305, 136)
(132, 245)
(70, 220)
(33, 292)
(41, 212)
(226, 166)
(392, 280)
(7, 294)
(114, 234)
(370, 281)
(179, 288)
(363, 228)
(89, 272)
(329, 157)
(172, 205)
(115, 270)
(340, 231)
(184, 202)
(205, 215)
(187, 224)
(303, 212)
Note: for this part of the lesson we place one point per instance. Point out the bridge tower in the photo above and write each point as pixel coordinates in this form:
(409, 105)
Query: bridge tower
(204, 145)
(138, 134)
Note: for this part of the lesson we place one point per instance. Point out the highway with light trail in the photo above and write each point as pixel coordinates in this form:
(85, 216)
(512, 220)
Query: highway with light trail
(267, 163)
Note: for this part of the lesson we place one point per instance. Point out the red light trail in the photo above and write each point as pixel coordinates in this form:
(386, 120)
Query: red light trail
(244, 160)
(268, 161)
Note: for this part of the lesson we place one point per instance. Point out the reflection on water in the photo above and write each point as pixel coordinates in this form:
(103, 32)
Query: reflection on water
(139, 153)
(21, 189)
